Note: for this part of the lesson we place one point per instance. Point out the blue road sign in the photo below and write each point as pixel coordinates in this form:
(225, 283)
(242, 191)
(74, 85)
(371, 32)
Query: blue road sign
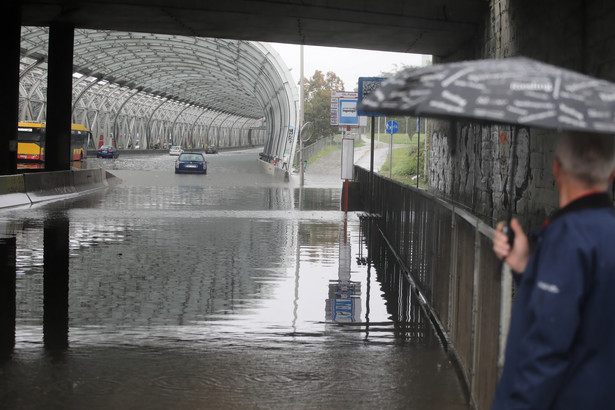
(392, 127)
(367, 85)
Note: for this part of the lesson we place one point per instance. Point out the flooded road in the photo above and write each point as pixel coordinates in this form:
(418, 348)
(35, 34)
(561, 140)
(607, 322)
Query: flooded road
(227, 290)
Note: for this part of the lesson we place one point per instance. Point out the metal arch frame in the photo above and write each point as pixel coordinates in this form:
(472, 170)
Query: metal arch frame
(210, 124)
(249, 79)
(116, 101)
(99, 98)
(223, 129)
(35, 88)
(85, 89)
(141, 108)
(196, 121)
(38, 62)
(120, 66)
(119, 110)
(164, 120)
(289, 90)
(149, 121)
(272, 122)
(233, 127)
(26, 111)
(177, 117)
(243, 126)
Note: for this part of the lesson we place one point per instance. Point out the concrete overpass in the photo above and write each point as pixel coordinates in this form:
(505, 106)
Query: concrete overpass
(438, 28)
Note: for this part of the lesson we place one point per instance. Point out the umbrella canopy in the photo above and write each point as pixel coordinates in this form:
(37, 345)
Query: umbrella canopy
(517, 91)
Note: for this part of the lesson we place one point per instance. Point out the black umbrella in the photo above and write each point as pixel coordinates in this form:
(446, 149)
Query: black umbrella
(516, 91)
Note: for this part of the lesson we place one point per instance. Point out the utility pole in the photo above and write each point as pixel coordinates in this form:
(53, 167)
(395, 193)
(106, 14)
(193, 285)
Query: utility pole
(301, 117)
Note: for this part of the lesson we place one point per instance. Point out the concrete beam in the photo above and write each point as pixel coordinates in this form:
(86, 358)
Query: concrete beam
(10, 35)
(59, 97)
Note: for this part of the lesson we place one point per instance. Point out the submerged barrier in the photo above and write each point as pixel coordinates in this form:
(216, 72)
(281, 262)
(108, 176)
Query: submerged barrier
(13, 191)
(274, 170)
(30, 188)
(446, 254)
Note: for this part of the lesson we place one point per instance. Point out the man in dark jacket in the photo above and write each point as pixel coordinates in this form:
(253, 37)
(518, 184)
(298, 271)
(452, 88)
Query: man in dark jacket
(560, 351)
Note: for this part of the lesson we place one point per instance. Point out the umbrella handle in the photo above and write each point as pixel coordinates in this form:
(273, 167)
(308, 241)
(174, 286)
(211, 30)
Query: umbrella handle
(507, 230)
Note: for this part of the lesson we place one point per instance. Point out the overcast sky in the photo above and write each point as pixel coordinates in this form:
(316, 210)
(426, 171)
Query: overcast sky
(349, 64)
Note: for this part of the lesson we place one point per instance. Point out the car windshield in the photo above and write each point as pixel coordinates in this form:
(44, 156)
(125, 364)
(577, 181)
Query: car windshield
(191, 157)
(106, 147)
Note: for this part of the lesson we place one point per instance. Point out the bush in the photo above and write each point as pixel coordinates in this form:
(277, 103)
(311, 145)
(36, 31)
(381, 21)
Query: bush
(404, 164)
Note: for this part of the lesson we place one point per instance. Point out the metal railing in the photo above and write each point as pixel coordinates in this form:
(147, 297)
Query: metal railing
(446, 253)
(310, 150)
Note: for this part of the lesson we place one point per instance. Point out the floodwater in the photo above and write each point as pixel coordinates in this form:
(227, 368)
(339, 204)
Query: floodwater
(229, 290)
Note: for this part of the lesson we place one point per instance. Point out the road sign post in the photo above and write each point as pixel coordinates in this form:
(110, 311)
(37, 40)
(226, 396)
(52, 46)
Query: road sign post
(347, 166)
(391, 128)
(367, 85)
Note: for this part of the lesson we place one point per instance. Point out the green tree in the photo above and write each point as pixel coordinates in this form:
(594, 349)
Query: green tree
(317, 105)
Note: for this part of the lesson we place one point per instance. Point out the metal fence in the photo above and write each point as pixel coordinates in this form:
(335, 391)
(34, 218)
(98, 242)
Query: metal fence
(310, 150)
(446, 253)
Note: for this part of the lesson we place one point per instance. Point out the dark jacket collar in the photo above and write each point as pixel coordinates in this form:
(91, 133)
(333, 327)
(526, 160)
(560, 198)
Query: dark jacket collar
(589, 201)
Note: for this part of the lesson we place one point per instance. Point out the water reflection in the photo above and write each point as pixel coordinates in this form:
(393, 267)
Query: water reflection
(208, 293)
(55, 279)
(8, 256)
(344, 302)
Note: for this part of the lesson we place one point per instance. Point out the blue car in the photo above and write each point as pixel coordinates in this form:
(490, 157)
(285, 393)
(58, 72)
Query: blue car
(107, 151)
(191, 162)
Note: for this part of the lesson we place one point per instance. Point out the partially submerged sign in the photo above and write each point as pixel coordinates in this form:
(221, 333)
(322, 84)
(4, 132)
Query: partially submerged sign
(347, 158)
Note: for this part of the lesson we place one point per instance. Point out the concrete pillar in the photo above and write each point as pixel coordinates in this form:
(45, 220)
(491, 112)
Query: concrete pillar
(55, 283)
(59, 96)
(10, 36)
(8, 275)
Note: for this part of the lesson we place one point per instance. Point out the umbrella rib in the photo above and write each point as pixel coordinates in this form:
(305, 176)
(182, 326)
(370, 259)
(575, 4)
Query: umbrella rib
(447, 81)
(556, 87)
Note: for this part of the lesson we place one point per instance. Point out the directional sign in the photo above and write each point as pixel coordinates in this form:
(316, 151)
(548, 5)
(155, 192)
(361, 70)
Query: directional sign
(367, 85)
(392, 127)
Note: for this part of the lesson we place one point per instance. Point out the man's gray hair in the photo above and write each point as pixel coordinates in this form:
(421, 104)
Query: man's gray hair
(587, 156)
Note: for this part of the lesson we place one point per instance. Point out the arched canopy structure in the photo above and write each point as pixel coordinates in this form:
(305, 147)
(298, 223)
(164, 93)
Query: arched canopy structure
(154, 88)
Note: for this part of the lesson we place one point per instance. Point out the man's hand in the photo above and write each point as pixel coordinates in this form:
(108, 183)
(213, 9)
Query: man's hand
(517, 256)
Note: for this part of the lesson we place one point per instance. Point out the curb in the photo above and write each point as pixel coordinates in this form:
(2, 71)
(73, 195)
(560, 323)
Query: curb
(28, 189)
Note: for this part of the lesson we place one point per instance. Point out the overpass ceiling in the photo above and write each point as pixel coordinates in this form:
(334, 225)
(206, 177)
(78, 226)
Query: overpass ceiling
(236, 77)
(438, 27)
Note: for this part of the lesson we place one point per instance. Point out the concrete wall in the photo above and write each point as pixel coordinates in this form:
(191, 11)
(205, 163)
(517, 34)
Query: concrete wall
(13, 191)
(470, 164)
(27, 189)
(275, 170)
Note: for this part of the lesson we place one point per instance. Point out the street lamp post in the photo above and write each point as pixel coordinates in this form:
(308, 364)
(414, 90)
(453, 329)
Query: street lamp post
(301, 116)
